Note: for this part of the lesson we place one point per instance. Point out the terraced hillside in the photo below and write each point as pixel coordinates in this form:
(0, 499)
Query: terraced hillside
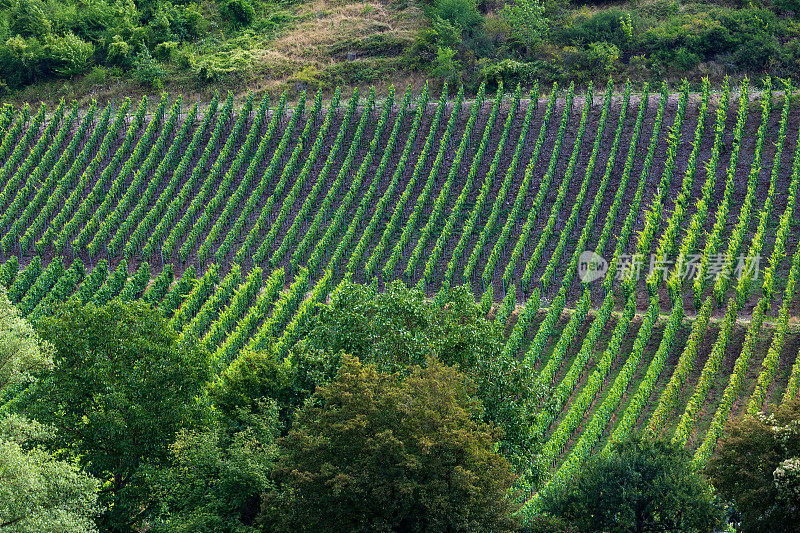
(237, 222)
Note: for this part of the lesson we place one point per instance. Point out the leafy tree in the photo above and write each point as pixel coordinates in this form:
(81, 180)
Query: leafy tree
(640, 486)
(256, 378)
(756, 465)
(401, 327)
(121, 389)
(526, 21)
(396, 331)
(23, 354)
(375, 451)
(215, 478)
(38, 492)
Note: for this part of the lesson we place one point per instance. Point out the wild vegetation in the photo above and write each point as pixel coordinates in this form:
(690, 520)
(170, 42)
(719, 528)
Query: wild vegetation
(59, 48)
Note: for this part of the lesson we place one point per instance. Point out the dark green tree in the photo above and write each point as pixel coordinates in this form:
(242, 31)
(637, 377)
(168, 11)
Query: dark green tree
(375, 451)
(121, 388)
(641, 486)
(215, 477)
(757, 466)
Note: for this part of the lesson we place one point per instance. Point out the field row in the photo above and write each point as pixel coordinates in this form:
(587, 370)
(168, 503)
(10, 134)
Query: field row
(501, 192)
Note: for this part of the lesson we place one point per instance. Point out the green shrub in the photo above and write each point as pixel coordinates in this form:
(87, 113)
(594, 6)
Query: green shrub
(445, 66)
(119, 53)
(239, 13)
(22, 60)
(29, 18)
(462, 14)
(510, 72)
(604, 56)
(166, 51)
(792, 6)
(601, 26)
(148, 70)
(68, 55)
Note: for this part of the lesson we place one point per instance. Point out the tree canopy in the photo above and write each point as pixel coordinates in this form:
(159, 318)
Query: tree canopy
(376, 451)
(38, 492)
(395, 330)
(121, 389)
(642, 485)
(757, 466)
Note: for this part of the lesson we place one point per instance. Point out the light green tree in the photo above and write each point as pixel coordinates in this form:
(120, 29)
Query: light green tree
(38, 492)
(527, 22)
(22, 353)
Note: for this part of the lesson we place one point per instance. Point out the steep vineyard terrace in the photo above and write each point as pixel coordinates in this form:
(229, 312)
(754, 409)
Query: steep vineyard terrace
(238, 221)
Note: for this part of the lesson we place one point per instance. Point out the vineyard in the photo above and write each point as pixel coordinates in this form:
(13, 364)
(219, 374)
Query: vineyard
(238, 222)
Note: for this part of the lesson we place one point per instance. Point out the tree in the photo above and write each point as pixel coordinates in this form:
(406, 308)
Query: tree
(526, 21)
(121, 389)
(215, 478)
(376, 451)
(756, 464)
(640, 486)
(23, 354)
(38, 492)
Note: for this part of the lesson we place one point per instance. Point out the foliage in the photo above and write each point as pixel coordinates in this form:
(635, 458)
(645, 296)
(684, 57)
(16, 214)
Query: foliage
(526, 21)
(215, 477)
(375, 451)
(755, 467)
(462, 14)
(640, 486)
(23, 354)
(118, 405)
(148, 70)
(547, 523)
(38, 492)
(445, 66)
(400, 328)
(240, 13)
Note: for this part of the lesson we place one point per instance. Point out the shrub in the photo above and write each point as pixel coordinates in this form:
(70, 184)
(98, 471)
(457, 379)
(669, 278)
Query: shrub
(69, 55)
(166, 51)
(239, 13)
(445, 67)
(750, 464)
(22, 60)
(119, 53)
(603, 26)
(604, 56)
(510, 72)
(29, 18)
(148, 70)
(463, 14)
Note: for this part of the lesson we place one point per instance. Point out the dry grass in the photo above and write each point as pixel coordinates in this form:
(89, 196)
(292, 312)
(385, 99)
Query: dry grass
(327, 25)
